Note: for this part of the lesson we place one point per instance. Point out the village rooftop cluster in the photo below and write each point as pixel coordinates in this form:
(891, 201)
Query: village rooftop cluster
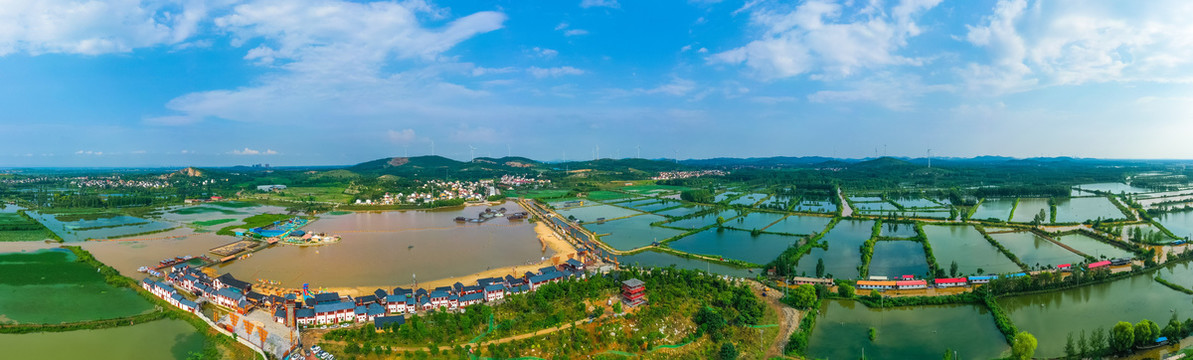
(671, 175)
(438, 190)
(384, 307)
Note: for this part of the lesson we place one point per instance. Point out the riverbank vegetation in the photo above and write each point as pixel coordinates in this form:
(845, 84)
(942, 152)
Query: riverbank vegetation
(692, 310)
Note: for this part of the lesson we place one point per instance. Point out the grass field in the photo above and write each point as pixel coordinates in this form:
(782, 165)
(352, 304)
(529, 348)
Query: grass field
(12, 218)
(321, 194)
(233, 204)
(537, 194)
(645, 188)
(213, 222)
(81, 214)
(606, 195)
(24, 235)
(254, 221)
(202, 210)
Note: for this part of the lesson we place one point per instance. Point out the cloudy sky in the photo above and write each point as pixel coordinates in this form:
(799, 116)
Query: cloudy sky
(293, 82)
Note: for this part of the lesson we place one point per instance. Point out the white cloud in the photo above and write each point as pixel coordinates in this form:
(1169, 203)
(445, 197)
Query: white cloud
(404, 136)
(341, 59)
(96, 27)
(575, 32)
(600, 3)
(1035, 43)
(887, 90)
(544, 52)
(247, 151)
(480, 71)
(823, 38)
(561, 26)
(553, 72)
(89, 152)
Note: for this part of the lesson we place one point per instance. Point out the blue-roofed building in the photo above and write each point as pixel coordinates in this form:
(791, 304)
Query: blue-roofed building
(540, 280)
(331, 313)
(382, 322)
(380, 294)
(471, 299)
(548, 269)
(494, 292)
(396, 304)
(574, 264)
(304, 316)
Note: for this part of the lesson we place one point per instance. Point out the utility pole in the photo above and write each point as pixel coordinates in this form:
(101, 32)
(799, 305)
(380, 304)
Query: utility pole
(639, 151)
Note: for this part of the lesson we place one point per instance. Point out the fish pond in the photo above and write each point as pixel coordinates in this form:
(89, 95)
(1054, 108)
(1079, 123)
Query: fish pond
(1032, 249)
(1093, 247)
(754, 221)
(633, 232)
(898, 257)
(703, 220)
(1029, 208)
(998, 209)
(1115, 188)
(661, 259)
(105, 227)
(800, 225)
(1077, 210)
(47, 287)
(682, 211)
(917, 203)
(1180, 223)
(966, 246)
(161, 339)
(842, 257)
(592, 213)
(1051, 316)
(748, 199)
(920, 332)
(898, 230)
(735, 244)
(815, 206)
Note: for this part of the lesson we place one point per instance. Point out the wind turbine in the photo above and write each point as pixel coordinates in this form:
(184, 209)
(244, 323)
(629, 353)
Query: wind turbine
(639, 151)
(929, 158)
(471, 152)
(432, 147)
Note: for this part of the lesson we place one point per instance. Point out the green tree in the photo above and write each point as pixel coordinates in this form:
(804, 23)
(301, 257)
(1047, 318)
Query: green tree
(820, 267)
(720, 220)
(948, 354)
(803, 297)
(728, 351)
(953, 269)
(1098, 342)
(1146, 332)
(1173, 330)
(1024, 346)
(1070, 348)
(873, 334)
(1122, 336)
(1083, 349)
(845, 290)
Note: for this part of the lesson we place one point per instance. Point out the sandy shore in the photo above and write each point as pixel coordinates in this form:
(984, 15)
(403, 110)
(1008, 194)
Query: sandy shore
(545, 235)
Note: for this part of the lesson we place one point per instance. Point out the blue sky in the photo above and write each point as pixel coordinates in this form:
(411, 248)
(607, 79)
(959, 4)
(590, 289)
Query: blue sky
(303, 82)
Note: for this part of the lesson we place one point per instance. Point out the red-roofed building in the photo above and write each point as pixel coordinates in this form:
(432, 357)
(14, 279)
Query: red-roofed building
(953, 282)
(908, 277)
(1103, 263)
(1064, 267)
(911, 284)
